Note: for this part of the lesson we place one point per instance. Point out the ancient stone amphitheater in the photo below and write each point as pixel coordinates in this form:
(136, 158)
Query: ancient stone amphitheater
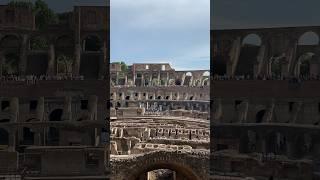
(159, 123)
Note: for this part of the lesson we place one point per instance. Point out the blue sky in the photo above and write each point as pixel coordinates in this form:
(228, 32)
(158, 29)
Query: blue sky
(151, 31)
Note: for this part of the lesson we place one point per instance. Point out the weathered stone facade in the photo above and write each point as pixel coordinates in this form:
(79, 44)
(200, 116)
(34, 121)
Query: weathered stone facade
(52, 122)
(264, 125)
(160, 125)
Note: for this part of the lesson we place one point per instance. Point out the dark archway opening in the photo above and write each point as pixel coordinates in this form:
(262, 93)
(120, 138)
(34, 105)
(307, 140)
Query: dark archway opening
(259, 116)
(10, 65)
(178, 82)
(4, 137)
(54, 133)
(92, 43)
(28, 136)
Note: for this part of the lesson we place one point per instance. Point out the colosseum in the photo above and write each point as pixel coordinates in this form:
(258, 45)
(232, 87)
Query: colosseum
(266, 103)
(53, 101)
(159, 123)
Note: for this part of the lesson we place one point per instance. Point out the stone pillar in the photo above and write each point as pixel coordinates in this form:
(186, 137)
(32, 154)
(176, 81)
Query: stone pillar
(171, 95)
(159, 78)
(142, 80)
(104, 61)
(178, 96)
(14, 109)
(77, 60)
(1, 62)
(150, 80)
(23, 55)
(67, 110)
(167, 81)
(117, 78)
(290, 146)
(51, 62)
(126, 80)
(40, 109)
(234, 56)
(134, 78)
(93, 107)
(123, 96)
(37, 138)
(259, 65)
(139, 96)
(12, 140)
(97, 136)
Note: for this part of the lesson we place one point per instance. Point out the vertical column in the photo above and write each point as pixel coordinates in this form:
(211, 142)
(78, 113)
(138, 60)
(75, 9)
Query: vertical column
(14, 109)
(97, 132)
(77, 60)
(159, 78)
(40, 109)
(67, 115)
(51, 62)
(104, 61)
(134, 78)
(23, 55)
(150, 80)
(93, 107)
(12, 140)
(142, 80)
(117, 78)
(167, 81)
(37, 138)
(126, 80)
(234, 56)
(1, 62)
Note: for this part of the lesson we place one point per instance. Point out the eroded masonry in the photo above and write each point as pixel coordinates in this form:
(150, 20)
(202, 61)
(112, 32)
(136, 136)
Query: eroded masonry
(266, 102)
(53, 102)
(159, 123)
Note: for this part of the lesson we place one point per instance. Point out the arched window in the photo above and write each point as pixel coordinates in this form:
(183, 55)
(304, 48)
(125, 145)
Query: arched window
(92, 43)
(309, 38)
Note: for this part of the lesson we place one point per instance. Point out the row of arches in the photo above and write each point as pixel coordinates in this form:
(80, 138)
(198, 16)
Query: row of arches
(253, 49)
(39, 42)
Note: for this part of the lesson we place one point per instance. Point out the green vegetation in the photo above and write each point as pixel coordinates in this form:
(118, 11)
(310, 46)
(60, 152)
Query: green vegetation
(44, 15)
(124, 66)
(64, 64)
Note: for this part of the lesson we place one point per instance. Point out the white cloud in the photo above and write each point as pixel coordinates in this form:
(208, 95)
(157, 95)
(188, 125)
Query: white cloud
(161, 14)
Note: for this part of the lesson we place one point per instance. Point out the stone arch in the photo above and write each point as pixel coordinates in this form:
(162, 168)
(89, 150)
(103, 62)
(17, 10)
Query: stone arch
(11, 63)
(304, 64)
(248, 54)
(189, 74)
(206, 74)
(54, 132)
(206, 82)
(92, 43)
(64, 42)
(4, 137)
(56, 115)
(10, 42)
(309, 38)
(184, 170)
(188, 78)
(275, 65)
(252, 39)
(275, 143)
(197, 82)
(171, 82)
(38, 42)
